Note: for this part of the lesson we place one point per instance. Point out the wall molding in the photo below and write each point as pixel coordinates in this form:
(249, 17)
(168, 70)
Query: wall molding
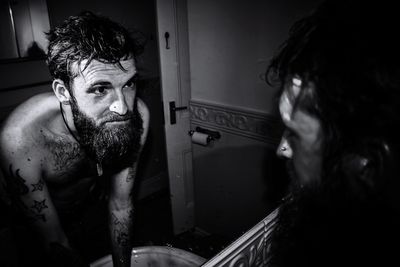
(251, 124)
(250, 249)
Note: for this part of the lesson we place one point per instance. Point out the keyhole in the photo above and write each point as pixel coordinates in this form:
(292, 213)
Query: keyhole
(166, 35)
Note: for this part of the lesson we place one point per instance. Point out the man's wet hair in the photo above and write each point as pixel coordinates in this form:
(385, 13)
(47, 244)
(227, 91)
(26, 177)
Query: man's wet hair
(353, 67)
(88, 36)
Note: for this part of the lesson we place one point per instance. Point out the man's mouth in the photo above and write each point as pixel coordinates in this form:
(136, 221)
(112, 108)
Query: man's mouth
(119, 119)
(290, 169)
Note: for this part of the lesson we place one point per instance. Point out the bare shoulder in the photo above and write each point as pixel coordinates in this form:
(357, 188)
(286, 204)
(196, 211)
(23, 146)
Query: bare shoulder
(145, 113)
(20, 132)
(143, 110)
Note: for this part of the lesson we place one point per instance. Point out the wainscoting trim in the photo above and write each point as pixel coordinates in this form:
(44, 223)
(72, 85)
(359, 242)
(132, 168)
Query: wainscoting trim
(256, 125)
(250, 249)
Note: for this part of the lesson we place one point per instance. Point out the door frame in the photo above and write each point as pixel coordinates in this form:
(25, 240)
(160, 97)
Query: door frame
(175, 86)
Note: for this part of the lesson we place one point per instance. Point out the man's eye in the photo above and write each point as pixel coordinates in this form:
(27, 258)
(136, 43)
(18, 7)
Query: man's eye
(100, 90)
(131, 84)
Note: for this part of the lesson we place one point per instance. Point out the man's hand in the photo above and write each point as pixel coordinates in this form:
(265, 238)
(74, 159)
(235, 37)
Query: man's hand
(58, 255)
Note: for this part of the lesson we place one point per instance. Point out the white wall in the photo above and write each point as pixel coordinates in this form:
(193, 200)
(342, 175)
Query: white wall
(238, 179)
(231, 42)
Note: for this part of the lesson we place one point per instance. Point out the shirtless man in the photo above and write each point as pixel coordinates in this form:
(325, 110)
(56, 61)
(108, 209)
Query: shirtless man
(55, 147)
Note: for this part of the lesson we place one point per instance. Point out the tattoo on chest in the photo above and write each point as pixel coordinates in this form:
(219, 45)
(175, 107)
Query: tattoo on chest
(65, 153)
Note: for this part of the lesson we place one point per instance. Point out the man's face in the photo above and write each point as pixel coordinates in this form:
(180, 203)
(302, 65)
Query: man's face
(302, 141)
(104, 111)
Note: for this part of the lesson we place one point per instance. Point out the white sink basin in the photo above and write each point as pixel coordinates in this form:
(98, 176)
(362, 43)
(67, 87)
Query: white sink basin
(156, 256)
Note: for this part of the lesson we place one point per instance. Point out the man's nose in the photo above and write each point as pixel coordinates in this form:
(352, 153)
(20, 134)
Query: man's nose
(284, 149)
(119, 105)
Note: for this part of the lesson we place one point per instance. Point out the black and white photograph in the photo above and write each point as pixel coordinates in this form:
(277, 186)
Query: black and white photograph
(213, 133)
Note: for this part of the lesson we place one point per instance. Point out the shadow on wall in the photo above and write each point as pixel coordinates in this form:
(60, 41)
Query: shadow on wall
(276, 179)
(35, 52)
(152, 169)
(238, 187)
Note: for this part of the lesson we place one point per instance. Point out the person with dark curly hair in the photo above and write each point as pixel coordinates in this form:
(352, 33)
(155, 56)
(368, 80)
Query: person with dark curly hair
(63, 150)
(339, 75)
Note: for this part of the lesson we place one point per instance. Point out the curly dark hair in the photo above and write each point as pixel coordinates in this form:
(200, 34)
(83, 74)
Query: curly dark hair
(89, 36)
(354, 68)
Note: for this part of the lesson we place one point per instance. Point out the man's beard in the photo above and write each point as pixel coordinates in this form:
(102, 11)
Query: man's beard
(114, 146)
(294, 182)
(318, 219)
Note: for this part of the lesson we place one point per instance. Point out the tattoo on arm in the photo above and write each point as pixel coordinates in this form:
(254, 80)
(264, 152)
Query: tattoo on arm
(121, 235)
(121, 229)
(37, 217)
(38, 206)
(120, 226)
(16, 187)
(38, 186)
(115, 220)
(121, 238)
(131, 175)
(16, 183)
(35, 212)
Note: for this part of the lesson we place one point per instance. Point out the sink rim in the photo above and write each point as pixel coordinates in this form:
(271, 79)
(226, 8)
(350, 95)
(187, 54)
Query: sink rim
(165, 250)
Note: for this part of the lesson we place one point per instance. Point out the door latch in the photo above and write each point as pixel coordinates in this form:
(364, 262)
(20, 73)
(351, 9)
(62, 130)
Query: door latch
(172, 111)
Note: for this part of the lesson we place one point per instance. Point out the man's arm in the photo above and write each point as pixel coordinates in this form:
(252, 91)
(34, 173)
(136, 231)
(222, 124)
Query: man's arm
(30, 196)
(23, 159)
(121, 216)
(120, 205)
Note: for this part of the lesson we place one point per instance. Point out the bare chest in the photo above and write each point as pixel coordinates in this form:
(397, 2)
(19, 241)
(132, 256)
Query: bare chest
(65, 162)
(70, 175)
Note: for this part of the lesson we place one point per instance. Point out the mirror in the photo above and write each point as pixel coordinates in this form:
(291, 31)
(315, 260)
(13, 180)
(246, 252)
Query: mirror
(22, 27)
(229, 45)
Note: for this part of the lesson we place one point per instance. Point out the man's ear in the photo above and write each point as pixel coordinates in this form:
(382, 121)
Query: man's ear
(61, 91)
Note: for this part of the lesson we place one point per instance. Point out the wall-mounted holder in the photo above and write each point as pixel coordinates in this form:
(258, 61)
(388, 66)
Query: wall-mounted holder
(211, 135)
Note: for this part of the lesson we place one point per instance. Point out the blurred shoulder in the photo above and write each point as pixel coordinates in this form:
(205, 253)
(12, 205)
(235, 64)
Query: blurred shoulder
(144, 111)
(145, 114)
